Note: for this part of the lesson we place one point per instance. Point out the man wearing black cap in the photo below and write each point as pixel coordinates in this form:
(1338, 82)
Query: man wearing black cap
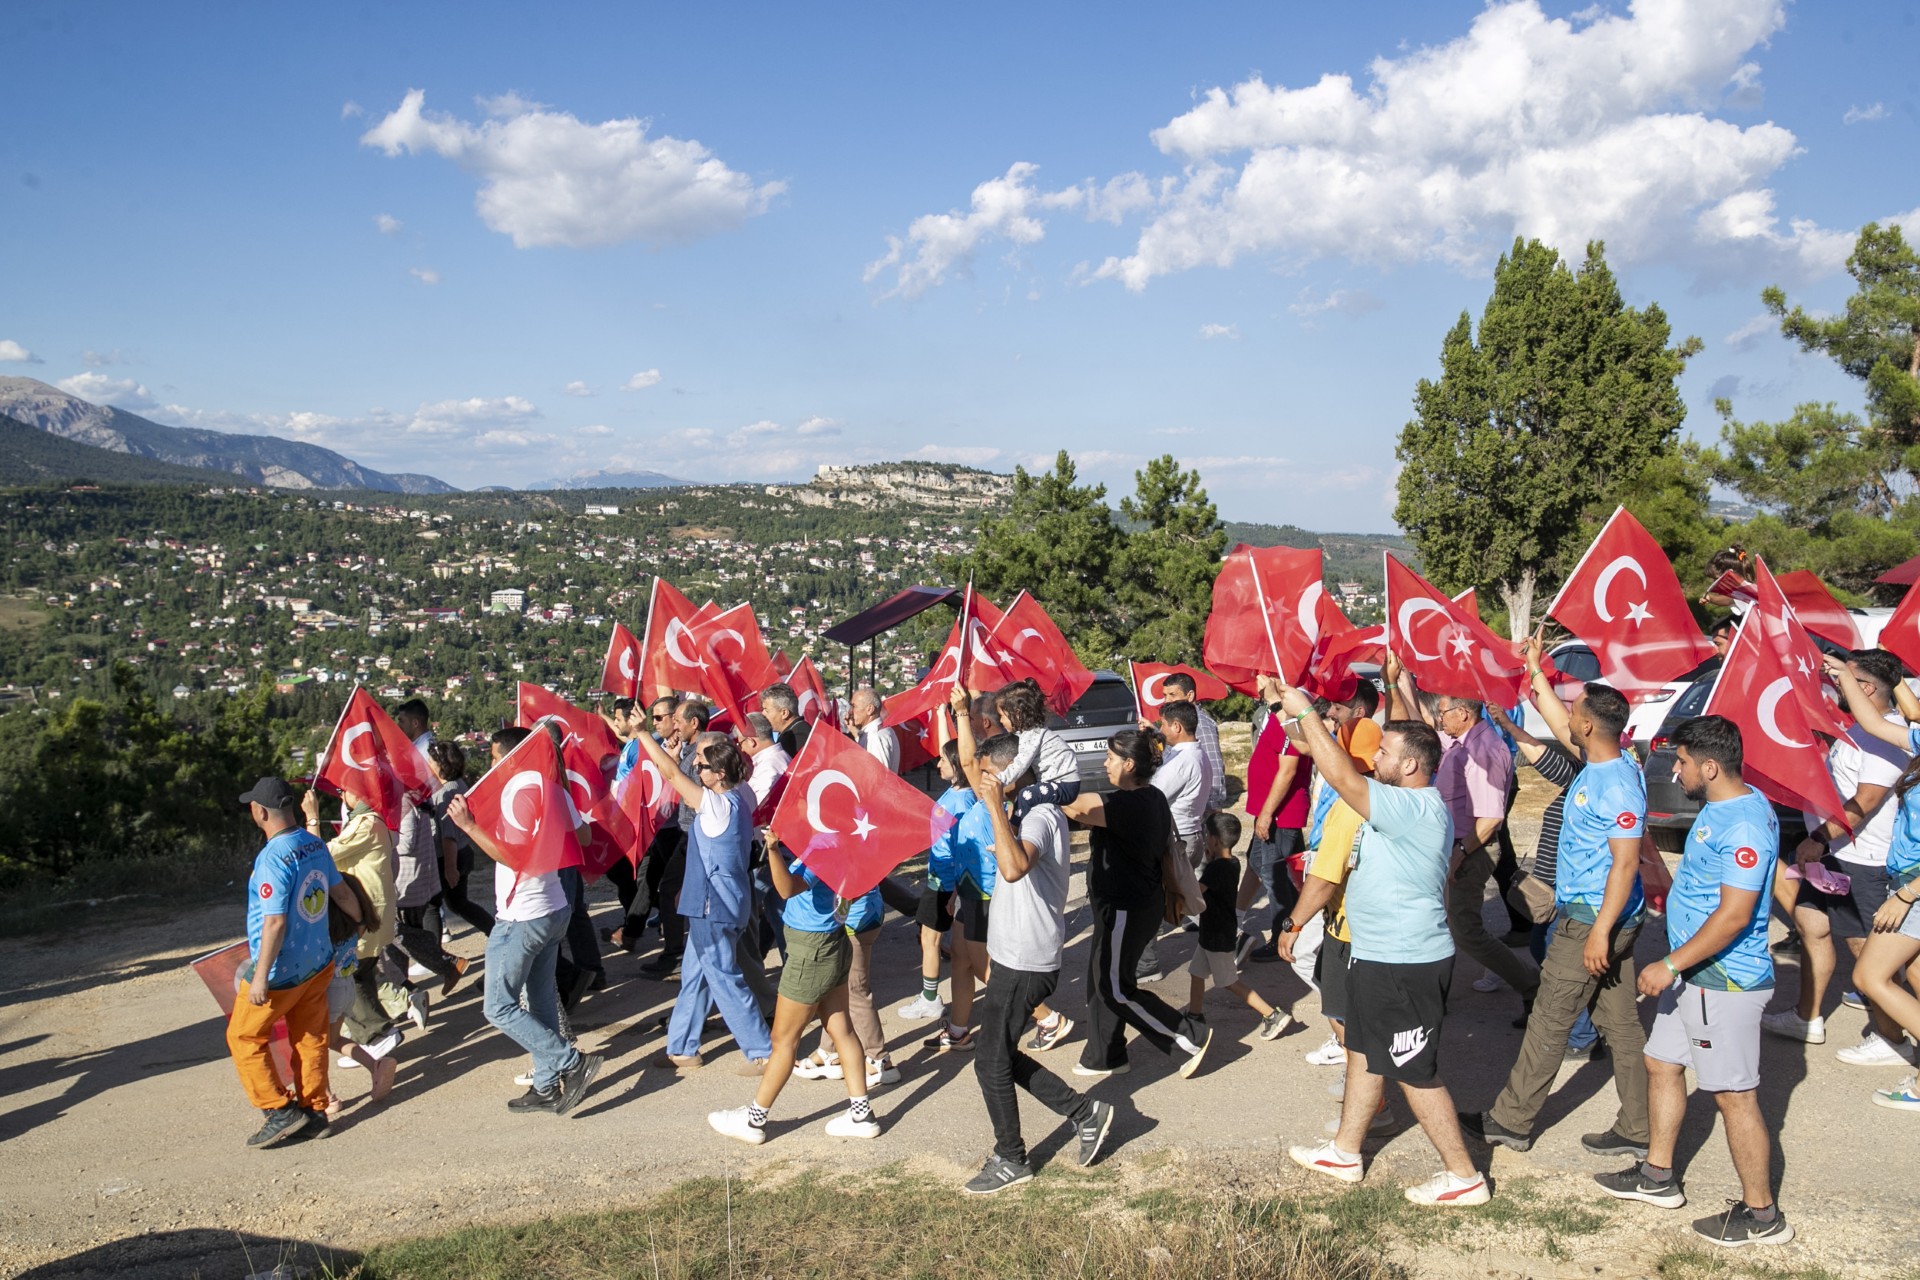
(292, 963)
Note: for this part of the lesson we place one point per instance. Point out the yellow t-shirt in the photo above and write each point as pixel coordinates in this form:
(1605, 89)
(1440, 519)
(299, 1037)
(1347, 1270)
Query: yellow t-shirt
(1338, 835)
(364, 850)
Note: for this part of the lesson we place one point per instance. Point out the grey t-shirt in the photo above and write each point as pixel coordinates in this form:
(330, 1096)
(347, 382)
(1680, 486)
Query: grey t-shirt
(1028, 925)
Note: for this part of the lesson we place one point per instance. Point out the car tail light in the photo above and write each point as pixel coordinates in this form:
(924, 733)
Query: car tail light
(1661, 816)
(1659, 740)
(1658, 695)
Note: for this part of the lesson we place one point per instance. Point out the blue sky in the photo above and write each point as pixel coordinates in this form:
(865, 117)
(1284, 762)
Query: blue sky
(1122, 230)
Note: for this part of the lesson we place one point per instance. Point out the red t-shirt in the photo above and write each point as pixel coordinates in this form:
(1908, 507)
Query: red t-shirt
(1272, 746)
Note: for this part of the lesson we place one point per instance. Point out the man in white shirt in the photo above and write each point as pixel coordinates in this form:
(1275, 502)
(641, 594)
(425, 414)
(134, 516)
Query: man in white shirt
(881, 742)
(1185, 777)
(1180, 687)
(1864, 771)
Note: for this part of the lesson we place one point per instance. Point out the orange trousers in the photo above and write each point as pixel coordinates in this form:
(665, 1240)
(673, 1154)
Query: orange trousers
(251, 1027)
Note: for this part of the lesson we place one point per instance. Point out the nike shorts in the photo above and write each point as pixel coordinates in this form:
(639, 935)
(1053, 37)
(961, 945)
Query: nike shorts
(1331, 971)
(1717, 1033)
(1394, 1013)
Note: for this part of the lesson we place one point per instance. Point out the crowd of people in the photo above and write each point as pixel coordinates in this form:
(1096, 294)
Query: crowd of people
(1372, 829)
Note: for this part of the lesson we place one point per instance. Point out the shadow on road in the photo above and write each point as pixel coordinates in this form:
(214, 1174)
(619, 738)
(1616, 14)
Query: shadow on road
(199, 1252)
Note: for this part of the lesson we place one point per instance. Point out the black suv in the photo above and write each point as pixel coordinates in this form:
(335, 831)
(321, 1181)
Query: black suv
(1669, 812)
(1103, 710)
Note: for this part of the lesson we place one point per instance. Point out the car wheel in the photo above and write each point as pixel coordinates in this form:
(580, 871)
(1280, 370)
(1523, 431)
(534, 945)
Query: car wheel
(1668, 839)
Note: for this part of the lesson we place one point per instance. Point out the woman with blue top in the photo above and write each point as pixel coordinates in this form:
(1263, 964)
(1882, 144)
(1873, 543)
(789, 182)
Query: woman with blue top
(717, 900)
(819, 928)
(1894, 946)
(961, 865)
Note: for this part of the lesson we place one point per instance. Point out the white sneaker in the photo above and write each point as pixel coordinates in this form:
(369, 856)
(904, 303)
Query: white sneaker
(1852, 1000)
(921, 1009)
(379, 1049)
(417, 1010)
(1330, 1160)
(417, 972)
(734, 1124)
(814, 1069)
(881, 1073)
(1872, 1051)
(1791, 1026)
(1444, 1191)
(845, 1126)
(1330, 1054)
(524, 1080)
(1097, 1073)
(347, 1062)
(1488, 983)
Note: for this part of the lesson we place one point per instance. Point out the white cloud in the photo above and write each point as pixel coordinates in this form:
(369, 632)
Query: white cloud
(425, 275)
(597, 429)
(754, 431)
(642, 380)
(511, 439)
(438, 428)
(388, 224)
(122, 393)
(100, 359)
(1748, 335)
(1002, 208)
(12, 352)
(549, 178)
(1351, 302)
(349, 109)
(461, 417)
(1214, 332)
(1568, 130)
(818, 427)
(506, 105)
(1860, 115)
(576, 388)
(965, 455)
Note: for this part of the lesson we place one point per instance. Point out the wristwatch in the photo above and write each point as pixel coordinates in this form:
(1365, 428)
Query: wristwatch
(1288, 926)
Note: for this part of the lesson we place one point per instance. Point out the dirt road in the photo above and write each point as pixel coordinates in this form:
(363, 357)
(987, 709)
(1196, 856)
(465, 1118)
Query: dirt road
(121, 1122)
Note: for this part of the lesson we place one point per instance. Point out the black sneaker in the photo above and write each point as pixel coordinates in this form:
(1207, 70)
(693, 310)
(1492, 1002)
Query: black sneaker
(1526, 1012)
(574, 1083)
(1594, 1052)
(1738, 1227)
(534, 1100)
(661, 966)
(1092, 1134)
(1632, 1183)
(997, 1175)
(1482, 1126)
(317, 1125)
(282, 1124)
(1611, 1143)
(1265, 953)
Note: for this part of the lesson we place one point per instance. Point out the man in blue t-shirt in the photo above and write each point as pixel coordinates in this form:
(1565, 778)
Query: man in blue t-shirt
(1713, 986)
(1402, 948)
(1598, 912)
(291, 964)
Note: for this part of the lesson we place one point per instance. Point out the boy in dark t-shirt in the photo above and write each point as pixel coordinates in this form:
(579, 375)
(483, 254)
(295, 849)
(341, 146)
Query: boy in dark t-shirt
(1219, 924)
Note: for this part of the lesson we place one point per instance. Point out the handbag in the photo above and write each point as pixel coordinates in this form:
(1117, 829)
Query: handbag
(1531, 896)
(1184, 894)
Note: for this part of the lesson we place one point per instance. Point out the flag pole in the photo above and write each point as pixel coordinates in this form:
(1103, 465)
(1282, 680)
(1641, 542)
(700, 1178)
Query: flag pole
(1260, 595)
(966, 625)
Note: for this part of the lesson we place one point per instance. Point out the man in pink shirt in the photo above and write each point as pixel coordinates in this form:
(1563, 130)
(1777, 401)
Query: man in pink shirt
(1476, 771)
(1278, 781)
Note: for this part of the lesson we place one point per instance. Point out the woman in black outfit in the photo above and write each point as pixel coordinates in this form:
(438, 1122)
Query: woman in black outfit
(1132, 829)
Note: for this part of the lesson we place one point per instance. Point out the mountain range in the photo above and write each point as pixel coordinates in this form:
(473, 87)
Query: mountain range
(613, 480)
(267, 460)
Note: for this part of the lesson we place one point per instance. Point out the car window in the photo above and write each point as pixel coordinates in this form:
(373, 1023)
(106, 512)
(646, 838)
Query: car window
(1577, 662)
(1691, 702)
(1107, 702)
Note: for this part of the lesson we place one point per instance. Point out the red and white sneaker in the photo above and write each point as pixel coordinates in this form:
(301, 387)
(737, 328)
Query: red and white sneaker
(1330, 1160)
(1443, 1190)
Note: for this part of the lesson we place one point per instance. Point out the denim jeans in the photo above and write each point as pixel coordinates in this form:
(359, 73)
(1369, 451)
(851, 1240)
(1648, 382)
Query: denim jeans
(520, 957)
(1584, 1033)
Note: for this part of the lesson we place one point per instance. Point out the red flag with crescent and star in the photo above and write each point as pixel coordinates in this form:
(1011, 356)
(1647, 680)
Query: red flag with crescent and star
(599, 749)
(1026, 644)
(1783, 632)
(734, 652)
(849, 818)
(1149, 680)
(1625, 602)
(1817, 610)
(816, 704)
(1447, 650)
(1901, 634)
(668, 661)
(523, 806)
(971, 663)
(1266, 614)
(370, 756)
(620, 673)
(1783, 757)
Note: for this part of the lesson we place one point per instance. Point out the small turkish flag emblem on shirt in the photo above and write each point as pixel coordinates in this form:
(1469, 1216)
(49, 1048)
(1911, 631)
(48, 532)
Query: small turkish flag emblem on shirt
(266, 891)
(1626, 821)
(1746, 858)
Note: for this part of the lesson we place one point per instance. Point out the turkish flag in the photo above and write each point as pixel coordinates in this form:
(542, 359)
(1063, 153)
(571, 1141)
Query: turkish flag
(816, 704)
(620, 673)
(1797, 654)
(1733, 586)
(1641, 629)
(1027, 644)
(646, 802)
(368, 755)
(1784, 758)
(1817, 610)
(1901, 634)
(1265, 615)
(523, 806)
(851, 820)
(782, 664)
(735, 656)
(668, 661)
(1331, 673)
(977, 669)
(1150, 677)
(599, 749)
(1447, 650)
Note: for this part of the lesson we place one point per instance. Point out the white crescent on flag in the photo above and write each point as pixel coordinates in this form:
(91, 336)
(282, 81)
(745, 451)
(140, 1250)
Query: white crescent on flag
(1151, 692)
(1768, 705)
(676, 632)
(347, 740)
(824, 780)
(1619, 565)
(1411, 609)
(626, 663)
(510, 793)
(1308, 609)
